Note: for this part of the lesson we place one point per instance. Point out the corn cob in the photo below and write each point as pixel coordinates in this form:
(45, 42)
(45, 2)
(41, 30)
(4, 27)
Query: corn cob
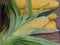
(36, 23)
(51, 25)
(52, 16)
(38, 4)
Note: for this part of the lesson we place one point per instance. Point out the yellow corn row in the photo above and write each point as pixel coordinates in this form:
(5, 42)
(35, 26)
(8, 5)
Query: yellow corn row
(51, 25)
(36, 4)
(52, 16)
(35, 10)
(36, 23)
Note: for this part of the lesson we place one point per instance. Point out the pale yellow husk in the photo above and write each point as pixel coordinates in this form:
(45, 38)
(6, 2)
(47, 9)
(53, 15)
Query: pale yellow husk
(36, 4)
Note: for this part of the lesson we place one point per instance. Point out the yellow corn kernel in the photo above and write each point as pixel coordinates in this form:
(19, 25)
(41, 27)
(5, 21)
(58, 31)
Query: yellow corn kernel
(36, 23)
(51, 25)
(52, 16)
(38, 4)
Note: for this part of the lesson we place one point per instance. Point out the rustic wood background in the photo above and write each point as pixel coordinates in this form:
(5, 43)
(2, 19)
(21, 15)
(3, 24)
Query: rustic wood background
(58, 13)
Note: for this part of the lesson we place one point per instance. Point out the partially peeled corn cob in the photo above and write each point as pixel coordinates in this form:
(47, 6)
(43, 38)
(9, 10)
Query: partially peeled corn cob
(51, 25)
(52, 16)
(36, 23)
(38, 4)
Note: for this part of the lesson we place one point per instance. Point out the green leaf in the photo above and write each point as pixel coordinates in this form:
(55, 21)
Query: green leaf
(12, 21)
(18, 43)
(18, 14)
(30, 40)
(2, 34)
(28, 10)
(42, 30)
(8, 41)
(4, 31)
(15, 7)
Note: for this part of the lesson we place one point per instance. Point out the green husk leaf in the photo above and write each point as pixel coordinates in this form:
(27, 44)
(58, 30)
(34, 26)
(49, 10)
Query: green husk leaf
(3, 31)
(42, 30)
(36, 41)
(2, 34)
(12, 21)
(28, 11)
(17, 10)
(29, 40)
(18, 14)
(19, 43)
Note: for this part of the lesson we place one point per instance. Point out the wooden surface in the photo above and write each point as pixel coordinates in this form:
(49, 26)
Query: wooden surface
(50, 36)
(58, 14)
